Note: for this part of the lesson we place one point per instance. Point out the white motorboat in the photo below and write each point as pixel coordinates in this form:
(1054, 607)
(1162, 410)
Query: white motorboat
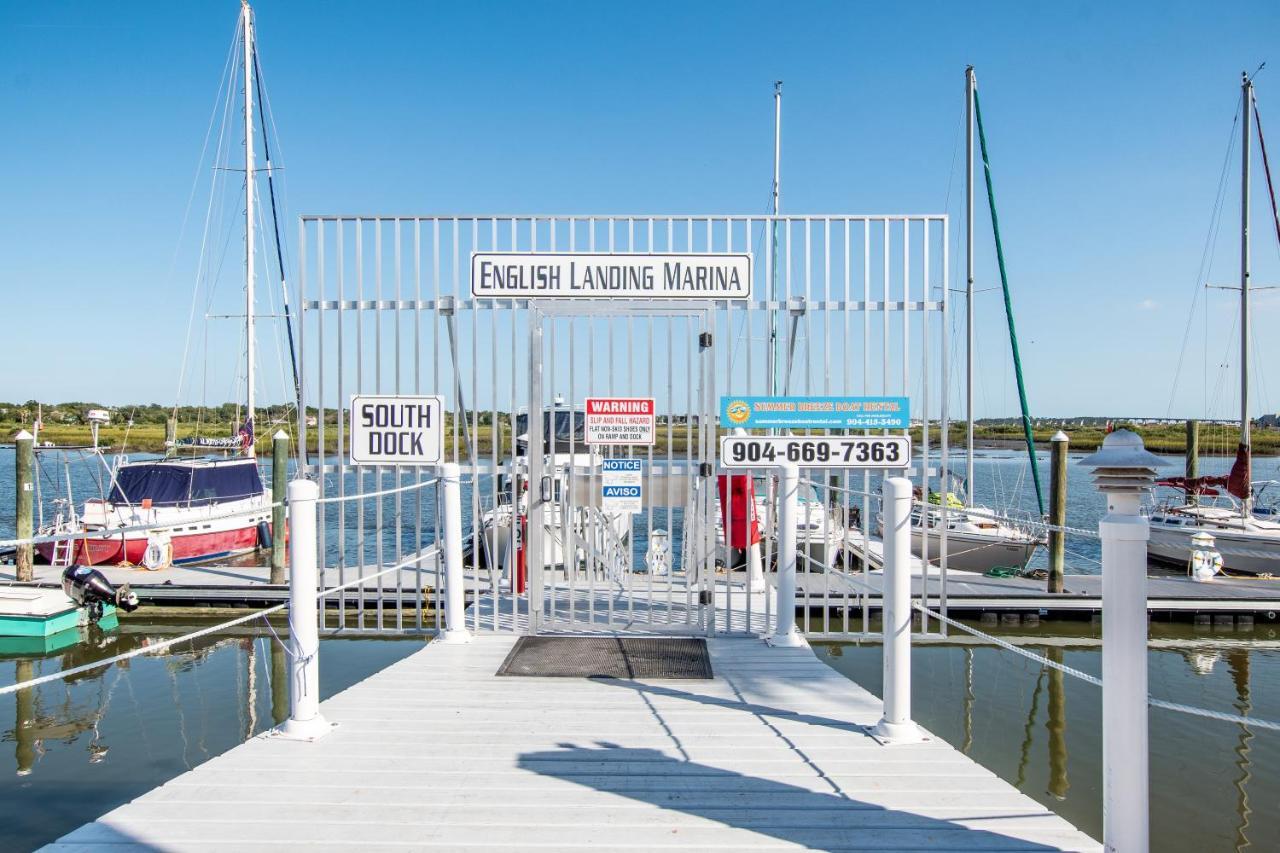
(576, 536)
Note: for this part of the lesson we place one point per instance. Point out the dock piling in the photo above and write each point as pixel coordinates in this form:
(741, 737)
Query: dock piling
(896, 725)
(1193, 449)
(784, 632)
(24, 488)
(1058, 510)
(279, 483)
(454, 584)
(305, 721)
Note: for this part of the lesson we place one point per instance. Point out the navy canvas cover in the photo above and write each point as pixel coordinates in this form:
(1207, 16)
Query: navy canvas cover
(167, 484)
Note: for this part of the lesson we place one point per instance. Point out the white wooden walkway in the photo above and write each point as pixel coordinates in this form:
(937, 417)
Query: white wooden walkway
(436, 752)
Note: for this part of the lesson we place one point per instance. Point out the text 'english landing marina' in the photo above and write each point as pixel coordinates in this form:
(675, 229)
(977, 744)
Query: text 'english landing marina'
(591, 274)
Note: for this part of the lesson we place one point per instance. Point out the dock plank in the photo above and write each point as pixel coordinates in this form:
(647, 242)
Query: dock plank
(437, 752)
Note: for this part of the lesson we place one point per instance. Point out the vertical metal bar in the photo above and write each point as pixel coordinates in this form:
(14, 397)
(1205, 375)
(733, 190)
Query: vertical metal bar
(924, 422)
(398, 470)
(320, 416)
(945, 414)
(340, 461)
(380, 471)
(419, 493)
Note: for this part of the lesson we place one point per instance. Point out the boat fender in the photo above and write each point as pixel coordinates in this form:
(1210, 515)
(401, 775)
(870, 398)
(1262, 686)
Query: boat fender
(264, 534)
(159, 553)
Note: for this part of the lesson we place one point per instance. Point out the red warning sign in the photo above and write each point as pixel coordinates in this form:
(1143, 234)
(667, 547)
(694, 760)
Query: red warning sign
(621, 420)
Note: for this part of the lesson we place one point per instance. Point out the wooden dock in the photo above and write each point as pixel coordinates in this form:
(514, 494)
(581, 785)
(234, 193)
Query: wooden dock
(436, 752)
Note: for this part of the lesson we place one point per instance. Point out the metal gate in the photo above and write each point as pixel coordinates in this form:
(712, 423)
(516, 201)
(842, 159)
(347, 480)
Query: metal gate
(593, 567)
(841, 305)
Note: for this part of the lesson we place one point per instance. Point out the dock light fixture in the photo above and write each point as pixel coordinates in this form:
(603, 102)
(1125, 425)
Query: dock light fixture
(1123, 471)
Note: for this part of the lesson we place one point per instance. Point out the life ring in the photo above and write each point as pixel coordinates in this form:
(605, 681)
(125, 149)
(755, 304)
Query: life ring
(159, 553)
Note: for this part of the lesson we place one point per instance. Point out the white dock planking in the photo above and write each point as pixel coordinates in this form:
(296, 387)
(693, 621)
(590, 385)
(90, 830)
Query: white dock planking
(436, 752)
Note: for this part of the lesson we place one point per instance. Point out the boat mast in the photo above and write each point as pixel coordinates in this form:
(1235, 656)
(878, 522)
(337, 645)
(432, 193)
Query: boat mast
(248, 219)
(1245, 332)
(968, 257)
(773, 235)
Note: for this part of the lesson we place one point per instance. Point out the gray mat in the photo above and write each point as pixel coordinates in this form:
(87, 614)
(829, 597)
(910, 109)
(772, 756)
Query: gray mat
(609, 657)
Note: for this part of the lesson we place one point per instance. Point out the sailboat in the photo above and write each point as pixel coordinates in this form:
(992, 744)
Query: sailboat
(979, 539)
(1248, 541)
(193, 509)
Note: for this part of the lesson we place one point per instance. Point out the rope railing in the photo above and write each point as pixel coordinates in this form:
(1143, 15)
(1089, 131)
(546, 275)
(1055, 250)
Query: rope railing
(113, 532)
(1075, 673)
(160, 646)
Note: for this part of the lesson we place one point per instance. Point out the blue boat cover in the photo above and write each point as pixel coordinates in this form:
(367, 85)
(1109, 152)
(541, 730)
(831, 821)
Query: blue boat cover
(169, 484)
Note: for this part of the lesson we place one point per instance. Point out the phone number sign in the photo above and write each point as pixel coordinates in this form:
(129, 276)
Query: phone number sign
(762, 451)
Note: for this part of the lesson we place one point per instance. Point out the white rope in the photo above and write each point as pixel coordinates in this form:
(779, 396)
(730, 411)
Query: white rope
(204, 632)
(114, 532)
(142, 650)
(392, 491)
(1097, 682)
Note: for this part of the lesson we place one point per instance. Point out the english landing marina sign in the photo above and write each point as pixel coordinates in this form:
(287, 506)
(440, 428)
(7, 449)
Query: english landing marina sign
(605, 275)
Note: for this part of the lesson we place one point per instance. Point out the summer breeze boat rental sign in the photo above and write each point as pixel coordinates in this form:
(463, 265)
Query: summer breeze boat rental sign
(602, 275)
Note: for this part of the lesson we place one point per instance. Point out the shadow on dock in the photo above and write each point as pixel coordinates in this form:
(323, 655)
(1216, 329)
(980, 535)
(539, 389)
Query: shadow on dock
(815, 819)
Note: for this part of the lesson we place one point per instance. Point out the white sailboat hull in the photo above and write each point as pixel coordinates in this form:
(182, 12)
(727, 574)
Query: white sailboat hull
(971, 552)
(1240, 552)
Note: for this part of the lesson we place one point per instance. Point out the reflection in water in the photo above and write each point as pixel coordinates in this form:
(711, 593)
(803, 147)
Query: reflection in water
(1032, 713)
(989, 703)
(969, 696)
(1238, 665)
(111, 734)
(1057, 726)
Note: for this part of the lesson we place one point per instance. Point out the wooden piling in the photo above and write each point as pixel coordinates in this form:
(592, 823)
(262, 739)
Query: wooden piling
(1193, 449)
(24, 489)
(1057, 510)
(279, 482)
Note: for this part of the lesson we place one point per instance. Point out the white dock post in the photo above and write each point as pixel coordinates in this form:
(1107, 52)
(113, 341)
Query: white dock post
(454, 592)
(305, 721)
(896, 726)
(788, 508)
(1123, 470)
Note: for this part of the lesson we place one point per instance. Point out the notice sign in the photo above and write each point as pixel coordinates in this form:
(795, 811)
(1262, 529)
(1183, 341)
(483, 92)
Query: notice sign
(621, 420)
(815, 412)
(397, 430)
(603, 275)
(621, 485)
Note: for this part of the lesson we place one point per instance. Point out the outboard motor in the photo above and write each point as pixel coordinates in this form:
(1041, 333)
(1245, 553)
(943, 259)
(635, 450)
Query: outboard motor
(89, 588)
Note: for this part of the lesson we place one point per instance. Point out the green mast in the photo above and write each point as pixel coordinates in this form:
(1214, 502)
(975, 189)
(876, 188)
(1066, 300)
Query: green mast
(1008, 304)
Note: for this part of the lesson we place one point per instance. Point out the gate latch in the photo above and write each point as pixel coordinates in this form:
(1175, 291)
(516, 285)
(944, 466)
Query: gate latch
(706, 469)
(704, 340)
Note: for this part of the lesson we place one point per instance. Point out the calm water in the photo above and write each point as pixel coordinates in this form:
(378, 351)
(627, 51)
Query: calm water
(1002, 481)
(72, 750)
(1214, 786)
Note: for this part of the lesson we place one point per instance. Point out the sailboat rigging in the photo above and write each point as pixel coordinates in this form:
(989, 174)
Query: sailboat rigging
(196, 508)
(1248, 540)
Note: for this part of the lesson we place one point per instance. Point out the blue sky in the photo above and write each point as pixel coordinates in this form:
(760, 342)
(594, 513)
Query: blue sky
(1108, 123)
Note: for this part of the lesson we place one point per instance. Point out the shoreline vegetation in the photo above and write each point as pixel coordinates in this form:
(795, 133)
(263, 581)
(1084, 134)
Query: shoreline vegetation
(64, 425)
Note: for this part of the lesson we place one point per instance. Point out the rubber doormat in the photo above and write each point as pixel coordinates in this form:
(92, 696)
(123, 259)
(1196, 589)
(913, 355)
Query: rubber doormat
(609, 657)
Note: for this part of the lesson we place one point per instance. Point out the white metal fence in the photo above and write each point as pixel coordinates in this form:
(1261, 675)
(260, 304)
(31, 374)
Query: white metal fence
(841, 305)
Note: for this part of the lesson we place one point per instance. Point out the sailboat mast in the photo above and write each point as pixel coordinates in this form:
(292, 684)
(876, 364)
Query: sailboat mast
(968, 259)
(248, 222)
(1244, 260)
(773, 235)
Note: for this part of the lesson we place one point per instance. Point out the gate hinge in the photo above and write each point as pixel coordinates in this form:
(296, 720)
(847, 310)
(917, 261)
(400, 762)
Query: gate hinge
(706, 469)
(704, 340)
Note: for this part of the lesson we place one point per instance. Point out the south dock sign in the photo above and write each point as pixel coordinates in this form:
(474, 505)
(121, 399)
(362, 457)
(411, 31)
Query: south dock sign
(397, 430)
(815, 412)
(608, 275)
